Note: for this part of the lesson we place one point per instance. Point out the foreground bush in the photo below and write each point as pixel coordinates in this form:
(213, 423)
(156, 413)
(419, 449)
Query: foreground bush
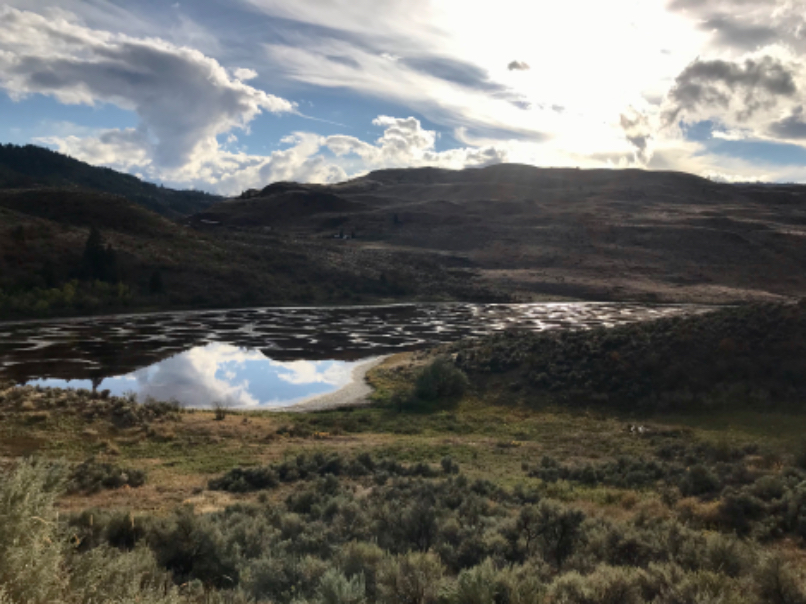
(38, 563)
(368, 537)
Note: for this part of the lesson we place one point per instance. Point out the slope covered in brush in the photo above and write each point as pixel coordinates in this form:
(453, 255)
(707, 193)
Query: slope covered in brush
(754, 355)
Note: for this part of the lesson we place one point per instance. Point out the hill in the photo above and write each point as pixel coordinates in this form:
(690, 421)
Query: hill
(160, 264)
(595, 234)
(747, 357)
(33, 167)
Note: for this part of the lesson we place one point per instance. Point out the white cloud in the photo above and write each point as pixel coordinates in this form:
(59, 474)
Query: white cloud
(595, 94)
(312, 372)
(244, 74)
(121, 149)
(405, 143)
(190, 377)
(183, 98)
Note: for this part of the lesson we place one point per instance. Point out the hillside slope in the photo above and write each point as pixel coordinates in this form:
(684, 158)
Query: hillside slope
(748, 356)
(162, 264)
(600, 234)
(33, 167)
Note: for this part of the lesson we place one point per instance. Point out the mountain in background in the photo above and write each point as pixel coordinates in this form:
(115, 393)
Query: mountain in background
(34, 167)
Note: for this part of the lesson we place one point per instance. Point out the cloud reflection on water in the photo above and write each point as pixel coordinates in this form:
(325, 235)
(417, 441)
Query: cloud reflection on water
(239, 377)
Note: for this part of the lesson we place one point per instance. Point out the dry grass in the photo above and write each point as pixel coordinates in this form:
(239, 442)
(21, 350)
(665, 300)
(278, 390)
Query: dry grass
(494, 442)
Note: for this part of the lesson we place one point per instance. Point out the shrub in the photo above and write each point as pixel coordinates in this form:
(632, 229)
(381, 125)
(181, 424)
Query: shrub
(362, 559)
(549, 528)
(335, 588)
(606, 585)
(479, 585)
(29, 547)
(91, 476)
(38, 564)
(439, 380)
(192, 547)
(778, 583)
(413, 578)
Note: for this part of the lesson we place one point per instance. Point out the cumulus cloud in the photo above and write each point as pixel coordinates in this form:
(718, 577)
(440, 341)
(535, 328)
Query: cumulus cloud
(124, 149)
(734, 89)
(518, 66)
(184, 99)
(406, 143)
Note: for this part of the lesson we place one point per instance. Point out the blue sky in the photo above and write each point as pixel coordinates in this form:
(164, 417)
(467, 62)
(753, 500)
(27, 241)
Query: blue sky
(226, 95)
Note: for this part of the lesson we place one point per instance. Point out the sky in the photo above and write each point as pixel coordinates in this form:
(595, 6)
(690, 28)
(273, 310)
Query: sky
(227, 95)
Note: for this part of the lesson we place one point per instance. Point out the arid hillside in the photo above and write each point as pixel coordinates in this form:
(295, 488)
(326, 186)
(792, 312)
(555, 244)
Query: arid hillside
(162, 264)
(603, 234)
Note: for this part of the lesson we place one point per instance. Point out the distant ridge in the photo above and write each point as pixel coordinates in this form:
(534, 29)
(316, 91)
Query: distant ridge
(33, 167)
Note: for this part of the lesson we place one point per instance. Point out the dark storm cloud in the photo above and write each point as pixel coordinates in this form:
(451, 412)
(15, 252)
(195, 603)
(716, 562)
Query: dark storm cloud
(791, 127)
(518, 66)
(714, 84)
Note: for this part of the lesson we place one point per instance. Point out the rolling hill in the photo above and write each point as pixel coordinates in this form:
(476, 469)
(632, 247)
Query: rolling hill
(34, 167)
(601, 234)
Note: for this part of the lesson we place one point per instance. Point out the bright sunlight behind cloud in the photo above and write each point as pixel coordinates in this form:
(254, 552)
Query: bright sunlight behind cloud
(231, 97)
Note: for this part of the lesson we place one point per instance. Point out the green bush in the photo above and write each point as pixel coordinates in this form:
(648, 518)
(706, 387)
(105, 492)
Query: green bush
(335, 588)
(39, 563)
(91, 476)
(414, 578)
(440, 379)
(779, 583)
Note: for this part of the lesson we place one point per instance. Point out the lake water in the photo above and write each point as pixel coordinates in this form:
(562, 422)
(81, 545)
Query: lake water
(266, 357)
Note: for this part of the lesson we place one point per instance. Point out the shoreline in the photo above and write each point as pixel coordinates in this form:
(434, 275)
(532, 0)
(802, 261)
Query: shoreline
(353, 394)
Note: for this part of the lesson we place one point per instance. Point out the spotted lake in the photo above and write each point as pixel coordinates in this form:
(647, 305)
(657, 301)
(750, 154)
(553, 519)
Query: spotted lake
(265, 357)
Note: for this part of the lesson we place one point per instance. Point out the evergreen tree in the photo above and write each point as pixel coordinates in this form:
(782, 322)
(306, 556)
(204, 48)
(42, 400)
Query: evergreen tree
(155, 284)
(99, 262)
(110, 273)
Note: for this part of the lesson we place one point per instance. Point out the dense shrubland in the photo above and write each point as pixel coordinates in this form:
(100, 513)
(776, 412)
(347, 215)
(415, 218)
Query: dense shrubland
(752, 356)
(37, 404)
(353, 529)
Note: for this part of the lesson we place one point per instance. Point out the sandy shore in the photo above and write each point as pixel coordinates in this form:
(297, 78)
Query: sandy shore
(354, 394)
